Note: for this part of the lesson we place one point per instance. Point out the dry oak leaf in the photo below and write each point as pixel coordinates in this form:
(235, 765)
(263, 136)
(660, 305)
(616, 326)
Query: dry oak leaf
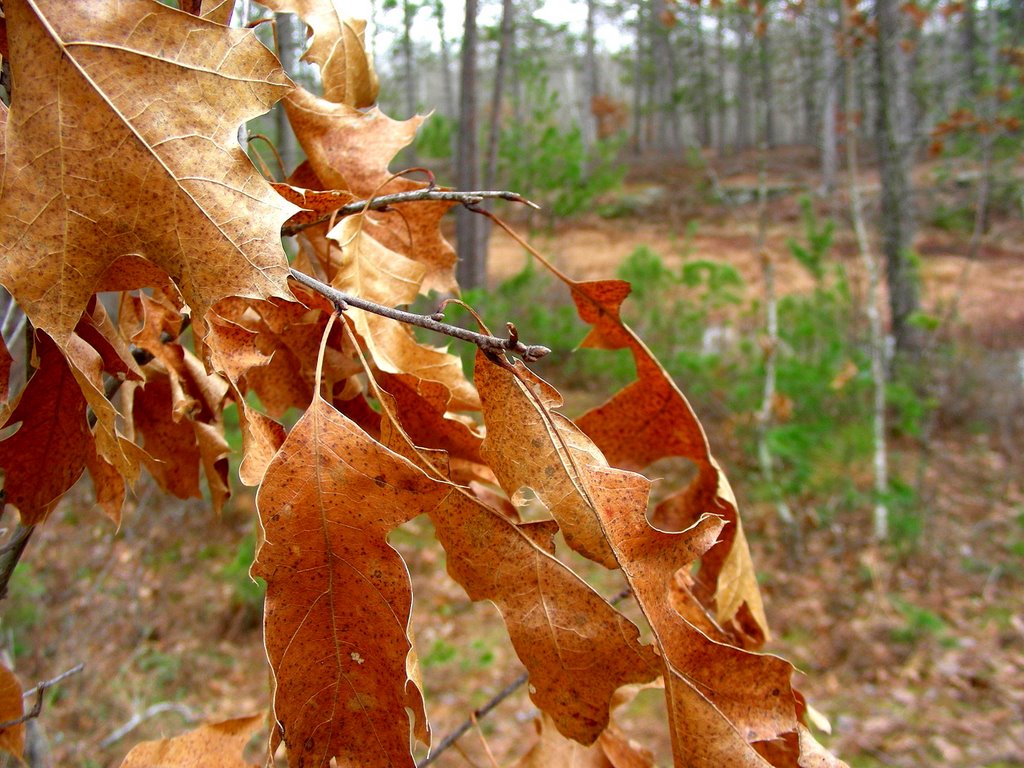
(12, 707)
(651, 419)
(375, 273)
(218, 11)
(212, 745)
(233, 349)
(48, 453)
(109, 486)
(338, 47)
(528, 445)
(714, 691)
(612, 750)
(349, 149)
(576, 647)
(172, 451)
(122, 139)
(338, 595)
(720, 698)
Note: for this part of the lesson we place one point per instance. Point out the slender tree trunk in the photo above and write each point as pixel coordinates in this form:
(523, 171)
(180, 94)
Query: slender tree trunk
(371, 43)
(408, 57)
(639, 80)
(448, 93)
(969, 49)
(765, 65)
(721, 93)
(895, 157)
(287, 45)
(472, 266)
(766, 414)
(675, 121)
(704, 136)
(409, 68)
(744, 91)
(593, 89)
(829, 100)
(811, 46)
(877, 340)
(505, 45)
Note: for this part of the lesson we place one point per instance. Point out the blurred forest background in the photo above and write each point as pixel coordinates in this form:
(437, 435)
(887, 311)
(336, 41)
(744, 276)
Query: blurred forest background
(820, 206)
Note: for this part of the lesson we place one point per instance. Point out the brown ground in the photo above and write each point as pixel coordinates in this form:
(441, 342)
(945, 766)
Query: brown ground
(916, 656)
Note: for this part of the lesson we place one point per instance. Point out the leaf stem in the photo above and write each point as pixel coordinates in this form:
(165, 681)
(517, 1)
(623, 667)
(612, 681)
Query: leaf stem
(491, 344)
(431, 193)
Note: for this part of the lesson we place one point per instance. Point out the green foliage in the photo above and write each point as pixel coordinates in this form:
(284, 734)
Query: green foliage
(541, 155)
(23, 609)
(435, 136)
(819, 240)
(959, 218)
(247, 593)
(920, 623)
(696, 319)
(906, 518)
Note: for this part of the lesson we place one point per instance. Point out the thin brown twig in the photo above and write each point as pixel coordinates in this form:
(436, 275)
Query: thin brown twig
(483, 741)
(39, 691)
(494, 701)
(383, 202)
(490, 344)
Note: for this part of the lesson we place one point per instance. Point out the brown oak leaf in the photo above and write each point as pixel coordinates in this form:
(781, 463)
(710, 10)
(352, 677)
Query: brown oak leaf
(577, 648)
(338, 47)
(211, 745)
(48, 452)
(12, 707)
(651, 419)
(714, 691)
(338, 595)
(135, 152)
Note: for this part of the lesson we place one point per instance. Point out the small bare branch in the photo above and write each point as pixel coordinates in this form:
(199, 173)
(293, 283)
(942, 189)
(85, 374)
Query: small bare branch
(469, 199)
(490, 344)
(38, 692)
(187, 714)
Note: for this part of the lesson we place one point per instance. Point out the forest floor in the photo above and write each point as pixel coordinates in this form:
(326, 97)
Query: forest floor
(915, 653)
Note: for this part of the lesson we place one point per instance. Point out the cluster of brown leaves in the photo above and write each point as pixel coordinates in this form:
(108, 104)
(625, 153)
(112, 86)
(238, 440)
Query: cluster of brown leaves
(122, 173)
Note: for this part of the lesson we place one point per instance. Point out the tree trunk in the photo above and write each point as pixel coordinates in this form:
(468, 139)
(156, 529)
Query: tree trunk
(663, 102)
(408, 57)
(744, 91)
(969, 49)
(720, 97)
(895, 157)
(765, 64)
(703, 99)
(409, 70)
(287, 46)
(877, 341)
(593, 86)
(638, 77)
(448, 93)
(811, 46)
(505, 45)
(829, 100)
(472, 266)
